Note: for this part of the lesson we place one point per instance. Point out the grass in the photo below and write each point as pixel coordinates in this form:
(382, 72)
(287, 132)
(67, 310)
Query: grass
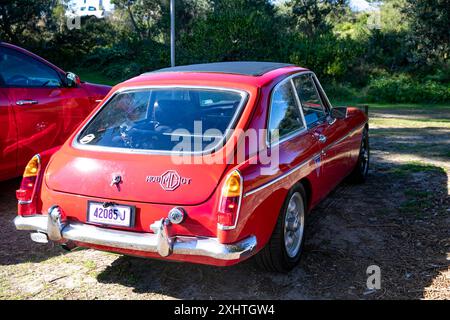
(89, 264)
(95, 77)
(413, 123)
(417, 202)
(414, 167)
(396, 106)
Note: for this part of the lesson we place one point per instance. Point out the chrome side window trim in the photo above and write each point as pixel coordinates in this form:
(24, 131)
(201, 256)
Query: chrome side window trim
(324, 106)
(320, 88)
(297, 132)
(244, 100)
(299, 103)
(301, 165)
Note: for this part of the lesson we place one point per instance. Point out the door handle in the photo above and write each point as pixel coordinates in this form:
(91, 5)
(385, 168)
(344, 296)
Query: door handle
(322, 138)
(26, 102)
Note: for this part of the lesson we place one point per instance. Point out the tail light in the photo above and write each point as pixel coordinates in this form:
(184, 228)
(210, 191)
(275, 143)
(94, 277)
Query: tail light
(230, 201)
(30, 178)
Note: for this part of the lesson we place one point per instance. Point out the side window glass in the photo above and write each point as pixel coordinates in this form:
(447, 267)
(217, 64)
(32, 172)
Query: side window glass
(20, 70)
(312, 105)
(285, 117)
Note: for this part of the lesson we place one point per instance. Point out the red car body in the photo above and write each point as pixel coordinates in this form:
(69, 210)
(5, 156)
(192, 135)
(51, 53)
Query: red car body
(76, 176)
(33, 117)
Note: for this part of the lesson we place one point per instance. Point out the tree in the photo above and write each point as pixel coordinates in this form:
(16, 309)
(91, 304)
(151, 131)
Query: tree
(233, 30)
(312, 17)
(23, 19)
(143, 15)
(429, 32)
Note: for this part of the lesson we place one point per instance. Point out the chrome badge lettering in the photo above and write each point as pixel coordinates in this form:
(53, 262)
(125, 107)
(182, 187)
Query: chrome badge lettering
(169, 180)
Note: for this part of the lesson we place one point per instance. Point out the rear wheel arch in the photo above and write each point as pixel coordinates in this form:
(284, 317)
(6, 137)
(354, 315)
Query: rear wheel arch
(273, 255)
(308, 191)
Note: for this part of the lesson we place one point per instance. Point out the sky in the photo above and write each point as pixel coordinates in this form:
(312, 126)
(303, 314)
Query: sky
(359, 4)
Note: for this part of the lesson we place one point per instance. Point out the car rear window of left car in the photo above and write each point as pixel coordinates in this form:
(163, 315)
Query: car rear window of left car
(164, 119)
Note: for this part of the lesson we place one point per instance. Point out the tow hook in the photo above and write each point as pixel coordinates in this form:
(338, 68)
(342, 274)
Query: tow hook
(164, 243)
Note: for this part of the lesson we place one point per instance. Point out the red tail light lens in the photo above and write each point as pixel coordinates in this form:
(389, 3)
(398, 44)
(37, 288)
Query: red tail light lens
(30, 175)
(230, 201)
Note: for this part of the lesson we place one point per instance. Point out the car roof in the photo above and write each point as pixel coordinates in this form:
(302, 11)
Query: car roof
(246, 68)
(238, 75)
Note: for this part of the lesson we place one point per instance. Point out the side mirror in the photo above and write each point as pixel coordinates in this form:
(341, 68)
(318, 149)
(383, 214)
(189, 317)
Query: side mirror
(339, 112)
(72, 80)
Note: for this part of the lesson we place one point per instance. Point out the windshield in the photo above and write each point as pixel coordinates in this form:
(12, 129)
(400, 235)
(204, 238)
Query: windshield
(164, 119)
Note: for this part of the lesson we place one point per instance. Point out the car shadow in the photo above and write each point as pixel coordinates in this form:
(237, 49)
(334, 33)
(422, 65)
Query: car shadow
(383, 223)
(16, 246)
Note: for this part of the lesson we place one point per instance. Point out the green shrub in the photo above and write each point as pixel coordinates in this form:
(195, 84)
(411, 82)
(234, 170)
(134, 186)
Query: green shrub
(404, 89)
(340, 92)
(127, 59)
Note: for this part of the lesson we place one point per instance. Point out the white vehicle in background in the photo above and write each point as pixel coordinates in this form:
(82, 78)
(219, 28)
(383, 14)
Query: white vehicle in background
(85, 8)
(90, 10)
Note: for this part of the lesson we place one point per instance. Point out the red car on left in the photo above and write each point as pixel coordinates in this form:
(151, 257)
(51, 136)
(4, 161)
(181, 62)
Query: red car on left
(40, 106)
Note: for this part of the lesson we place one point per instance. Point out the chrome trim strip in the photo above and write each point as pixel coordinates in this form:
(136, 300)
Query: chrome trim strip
(301, 165)
(244, 100)
(344, 137)
(146, 242)
(284, 175)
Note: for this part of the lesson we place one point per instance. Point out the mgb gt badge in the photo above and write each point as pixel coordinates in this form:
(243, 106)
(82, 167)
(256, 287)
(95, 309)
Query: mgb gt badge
(169, 180)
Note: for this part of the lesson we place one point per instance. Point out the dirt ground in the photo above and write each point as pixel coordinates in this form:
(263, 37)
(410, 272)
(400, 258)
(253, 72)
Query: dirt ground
(399, 220)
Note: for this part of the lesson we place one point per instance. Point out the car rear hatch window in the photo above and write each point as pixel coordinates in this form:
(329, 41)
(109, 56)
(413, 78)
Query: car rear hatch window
(164, 120)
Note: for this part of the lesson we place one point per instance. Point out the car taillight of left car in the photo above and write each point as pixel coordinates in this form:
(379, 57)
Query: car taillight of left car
(29, 181)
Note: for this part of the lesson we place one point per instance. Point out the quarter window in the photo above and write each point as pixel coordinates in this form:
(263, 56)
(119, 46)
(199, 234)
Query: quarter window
(285, 117)
(313, 108)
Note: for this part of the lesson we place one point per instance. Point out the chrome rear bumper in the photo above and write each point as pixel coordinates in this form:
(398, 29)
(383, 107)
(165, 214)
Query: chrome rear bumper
(159, 241)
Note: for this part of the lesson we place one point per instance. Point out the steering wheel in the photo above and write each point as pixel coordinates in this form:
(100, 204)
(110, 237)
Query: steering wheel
(18, 79)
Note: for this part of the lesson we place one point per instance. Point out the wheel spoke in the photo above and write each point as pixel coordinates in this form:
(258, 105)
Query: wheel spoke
(293, 230)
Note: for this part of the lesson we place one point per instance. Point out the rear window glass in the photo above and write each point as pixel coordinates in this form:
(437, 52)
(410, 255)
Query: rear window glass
(160, 119)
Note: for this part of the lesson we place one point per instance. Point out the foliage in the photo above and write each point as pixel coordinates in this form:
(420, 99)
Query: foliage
(430, 36)
(233, 30)
(404, 59)
(402, 88)
(20, 20)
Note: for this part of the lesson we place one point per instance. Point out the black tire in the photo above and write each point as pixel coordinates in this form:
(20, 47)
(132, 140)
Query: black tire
(274, 256)
(359, 173)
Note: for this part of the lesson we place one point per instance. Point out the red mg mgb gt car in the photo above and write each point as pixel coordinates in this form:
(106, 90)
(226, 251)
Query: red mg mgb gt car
(40, 106)
(209, 163)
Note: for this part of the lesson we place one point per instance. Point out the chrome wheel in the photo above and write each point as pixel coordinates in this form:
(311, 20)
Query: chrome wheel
(294, 224)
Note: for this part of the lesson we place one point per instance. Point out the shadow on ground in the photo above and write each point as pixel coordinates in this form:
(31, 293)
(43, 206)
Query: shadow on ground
(429, 142)
(399, 221)
(16, 247)
(391, 221)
